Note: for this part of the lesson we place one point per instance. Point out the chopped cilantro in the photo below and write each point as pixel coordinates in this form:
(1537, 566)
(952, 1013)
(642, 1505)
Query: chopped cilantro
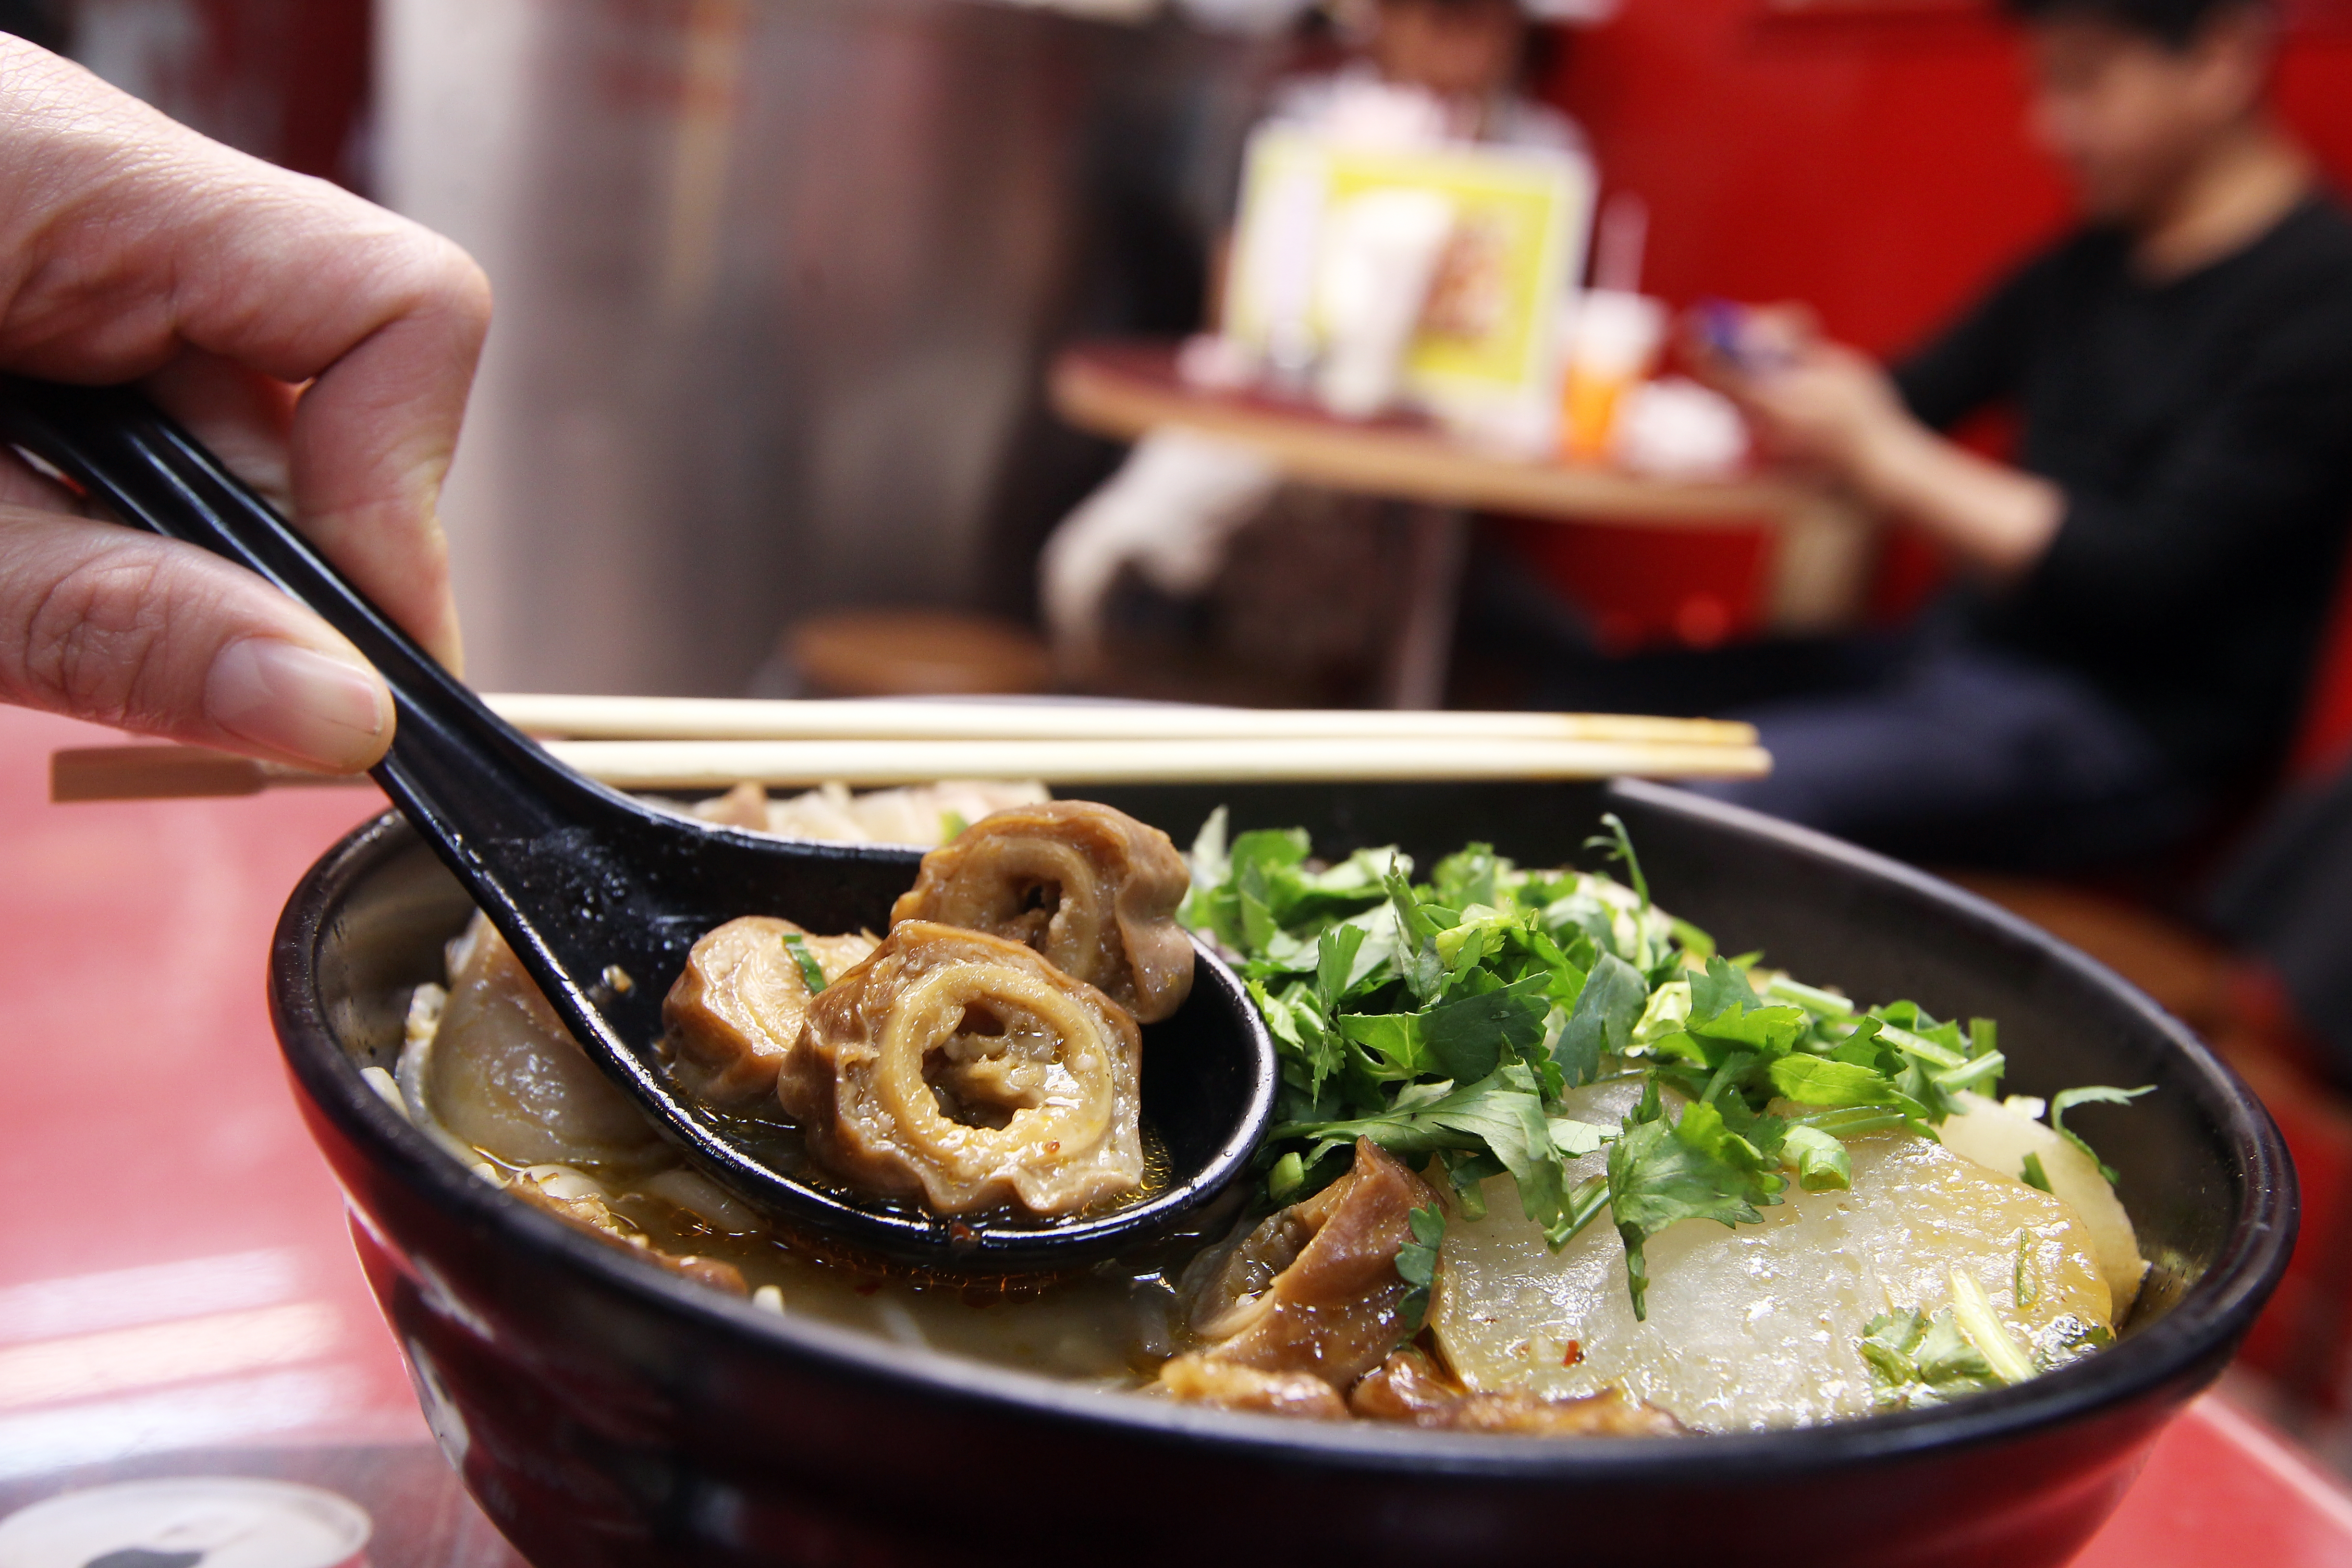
(1445, 1019)
(2066, 1100)
(1972, 1310)
(1918, 1360)
(1416, 1265)
(2068, 1338)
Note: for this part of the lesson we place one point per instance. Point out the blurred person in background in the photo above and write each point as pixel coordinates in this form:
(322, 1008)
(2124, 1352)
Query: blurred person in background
(1281, 594)
(1467, 59)
(2143, 589)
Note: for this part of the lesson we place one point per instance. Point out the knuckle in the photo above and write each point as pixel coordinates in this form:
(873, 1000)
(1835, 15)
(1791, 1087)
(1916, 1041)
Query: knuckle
(433, 276)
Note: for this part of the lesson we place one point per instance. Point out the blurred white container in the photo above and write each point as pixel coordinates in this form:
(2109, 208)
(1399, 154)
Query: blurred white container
(1379, 254)
(1674, 428)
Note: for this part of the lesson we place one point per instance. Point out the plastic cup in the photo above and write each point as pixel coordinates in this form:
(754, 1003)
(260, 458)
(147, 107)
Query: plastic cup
(1614, 338)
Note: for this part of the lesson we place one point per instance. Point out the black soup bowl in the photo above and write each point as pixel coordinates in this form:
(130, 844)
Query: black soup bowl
(604, 1412)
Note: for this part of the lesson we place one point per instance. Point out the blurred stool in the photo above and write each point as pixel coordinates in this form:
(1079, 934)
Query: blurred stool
(916, 652)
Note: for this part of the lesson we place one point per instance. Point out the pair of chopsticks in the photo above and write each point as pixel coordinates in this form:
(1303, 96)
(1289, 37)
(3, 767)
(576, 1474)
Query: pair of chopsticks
(664, 742)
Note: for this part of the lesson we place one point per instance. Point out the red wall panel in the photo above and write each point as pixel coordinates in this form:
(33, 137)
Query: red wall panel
(1877, 167)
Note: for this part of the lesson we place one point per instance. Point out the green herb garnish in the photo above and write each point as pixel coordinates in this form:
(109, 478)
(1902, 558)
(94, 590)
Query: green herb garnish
(1445, 1019)
(812, 972)
(1416, 1265)
(2066, 1100)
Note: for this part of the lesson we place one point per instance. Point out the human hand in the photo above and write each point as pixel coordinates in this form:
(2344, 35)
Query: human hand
(322, 346)
(1816, 404)
(1813, 403)
(1825, 406)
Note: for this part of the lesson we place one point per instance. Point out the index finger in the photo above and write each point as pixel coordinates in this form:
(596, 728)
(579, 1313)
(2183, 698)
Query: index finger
(126, 239)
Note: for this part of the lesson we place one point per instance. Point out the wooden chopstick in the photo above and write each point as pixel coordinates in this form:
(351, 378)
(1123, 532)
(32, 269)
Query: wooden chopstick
(138, 772)
(732, 719)
(676, 764)
(171, 772)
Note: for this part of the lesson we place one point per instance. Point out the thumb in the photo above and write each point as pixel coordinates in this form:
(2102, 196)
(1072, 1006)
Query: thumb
(103, 623)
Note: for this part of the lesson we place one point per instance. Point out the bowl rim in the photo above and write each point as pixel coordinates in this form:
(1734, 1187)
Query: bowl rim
(2181, 1351)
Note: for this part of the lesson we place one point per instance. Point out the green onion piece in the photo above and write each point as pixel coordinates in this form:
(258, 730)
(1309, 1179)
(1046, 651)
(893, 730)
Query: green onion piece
(812, 972)
(2033, 1175)
(1972, 1310)
(1853, 1122)
(1967, 1075)
(1289, 1173)
(1814, 1000)
(1926, 1050)
(1819, 1161)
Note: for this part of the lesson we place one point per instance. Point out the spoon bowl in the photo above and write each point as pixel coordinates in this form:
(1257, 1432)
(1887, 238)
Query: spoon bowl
(601, 897)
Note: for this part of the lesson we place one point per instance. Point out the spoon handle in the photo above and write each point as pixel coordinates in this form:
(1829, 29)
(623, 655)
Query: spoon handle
(450, 748)
(519, 830)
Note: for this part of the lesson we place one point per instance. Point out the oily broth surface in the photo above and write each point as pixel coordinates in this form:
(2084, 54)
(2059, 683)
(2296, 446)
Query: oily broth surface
(1749, 1328)
(1113, 1325)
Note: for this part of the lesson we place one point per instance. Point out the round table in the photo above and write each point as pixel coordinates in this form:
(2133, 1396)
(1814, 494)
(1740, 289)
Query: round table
(1123, 388)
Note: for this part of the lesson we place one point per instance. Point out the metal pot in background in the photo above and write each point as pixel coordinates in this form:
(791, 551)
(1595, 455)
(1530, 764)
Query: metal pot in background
(776, 280)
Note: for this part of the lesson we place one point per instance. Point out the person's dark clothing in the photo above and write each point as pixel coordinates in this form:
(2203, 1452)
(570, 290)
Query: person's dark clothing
(2157, 655)
(2202, 432)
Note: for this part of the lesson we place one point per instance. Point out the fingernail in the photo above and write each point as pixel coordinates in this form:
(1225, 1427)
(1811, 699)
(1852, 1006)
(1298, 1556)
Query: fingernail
(307, 706)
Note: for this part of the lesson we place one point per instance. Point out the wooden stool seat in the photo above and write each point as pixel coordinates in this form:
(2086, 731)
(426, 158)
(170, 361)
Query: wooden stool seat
(917, 652)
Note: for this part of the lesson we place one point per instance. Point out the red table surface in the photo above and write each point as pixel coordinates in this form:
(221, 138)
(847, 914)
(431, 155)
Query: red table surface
(175, 1279)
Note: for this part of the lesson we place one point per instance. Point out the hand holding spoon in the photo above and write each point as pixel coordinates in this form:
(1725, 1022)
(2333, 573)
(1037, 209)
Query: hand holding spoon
(601, 897)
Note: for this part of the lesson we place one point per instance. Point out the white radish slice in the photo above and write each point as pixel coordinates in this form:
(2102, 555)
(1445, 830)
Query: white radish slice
(1999, 1139)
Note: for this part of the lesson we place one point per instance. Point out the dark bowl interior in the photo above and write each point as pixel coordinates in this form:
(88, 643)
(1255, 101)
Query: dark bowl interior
(604, 1412)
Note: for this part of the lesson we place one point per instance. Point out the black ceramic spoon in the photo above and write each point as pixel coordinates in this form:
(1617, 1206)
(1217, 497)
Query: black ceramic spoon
(601, 897)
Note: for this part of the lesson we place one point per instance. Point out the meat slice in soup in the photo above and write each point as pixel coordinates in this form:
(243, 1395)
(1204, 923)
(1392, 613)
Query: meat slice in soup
(1315, 1289)
(506, 1077)
(585, 1205)
(1198, 1379)
(736, 1013)
(964, 1070)
(1762, 1325)
(1091, 888)
(1410, 1388)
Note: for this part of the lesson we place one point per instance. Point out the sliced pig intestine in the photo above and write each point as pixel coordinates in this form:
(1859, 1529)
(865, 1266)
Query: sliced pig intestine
(1314, 1289)
(736, 1012)
(1091, 888)
(965, 1071)
(506, 1077)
